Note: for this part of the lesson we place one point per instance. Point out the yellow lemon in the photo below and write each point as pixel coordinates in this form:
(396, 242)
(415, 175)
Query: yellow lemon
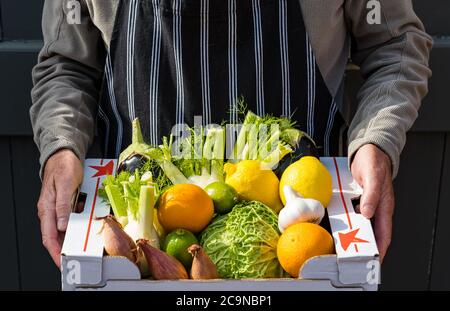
(309, 177)
(300, 242)
(254, 182)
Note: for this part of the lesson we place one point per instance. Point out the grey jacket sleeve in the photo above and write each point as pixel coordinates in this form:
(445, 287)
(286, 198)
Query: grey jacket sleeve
(393, 57)
(66, 81)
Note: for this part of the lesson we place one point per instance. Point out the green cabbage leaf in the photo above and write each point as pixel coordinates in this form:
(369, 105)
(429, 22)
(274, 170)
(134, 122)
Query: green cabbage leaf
(242, 244)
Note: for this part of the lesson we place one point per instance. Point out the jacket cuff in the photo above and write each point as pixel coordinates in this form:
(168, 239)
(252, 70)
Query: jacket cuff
(384, 144)
(58, 144)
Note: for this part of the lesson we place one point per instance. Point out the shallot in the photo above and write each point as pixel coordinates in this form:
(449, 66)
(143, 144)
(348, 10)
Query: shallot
(202, 266)
(161, 265)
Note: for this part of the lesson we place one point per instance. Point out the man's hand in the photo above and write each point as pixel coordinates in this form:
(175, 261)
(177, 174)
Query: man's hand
(372, 169)
(63, 174)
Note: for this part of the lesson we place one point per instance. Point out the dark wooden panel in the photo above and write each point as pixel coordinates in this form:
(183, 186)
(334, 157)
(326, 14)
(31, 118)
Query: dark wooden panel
(15, 86)
(406, 266)
(440, 276)
(1, 23)
(36, 267)
(435, 108)
(9, 268)
(22, 19)
(434, 14)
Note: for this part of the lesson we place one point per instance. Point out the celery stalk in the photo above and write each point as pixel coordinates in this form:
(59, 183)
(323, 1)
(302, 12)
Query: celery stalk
(219, 144)
(131, 199)
(209, 144)
(141, 226)
(244, 153)
(173, 173)
(146, 204)
(272, 160)
(117, 202)
(271, 143)
(240, 143)
(197, 143)
(292, 136)
(252, 118)
(252, 142)
(214, 146)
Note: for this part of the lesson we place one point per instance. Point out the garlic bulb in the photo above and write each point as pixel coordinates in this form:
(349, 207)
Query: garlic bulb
(299, 209)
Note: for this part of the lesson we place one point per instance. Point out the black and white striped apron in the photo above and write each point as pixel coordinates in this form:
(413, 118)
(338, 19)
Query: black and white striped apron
(172, 60)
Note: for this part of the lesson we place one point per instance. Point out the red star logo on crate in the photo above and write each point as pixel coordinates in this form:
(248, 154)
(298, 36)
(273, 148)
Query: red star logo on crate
(349, 238)
(103, 170)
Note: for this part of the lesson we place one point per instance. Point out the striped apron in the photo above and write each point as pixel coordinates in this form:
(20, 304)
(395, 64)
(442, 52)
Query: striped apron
(173, 60)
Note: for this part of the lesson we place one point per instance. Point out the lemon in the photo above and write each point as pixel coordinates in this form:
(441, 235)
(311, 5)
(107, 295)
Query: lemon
(254, 183)
(309, 177)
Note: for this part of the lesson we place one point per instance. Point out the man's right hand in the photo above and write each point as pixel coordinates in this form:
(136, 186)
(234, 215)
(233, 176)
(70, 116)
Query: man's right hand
(63, 173)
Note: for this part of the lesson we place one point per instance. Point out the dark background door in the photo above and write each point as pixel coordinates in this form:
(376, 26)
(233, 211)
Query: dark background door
(420, 252)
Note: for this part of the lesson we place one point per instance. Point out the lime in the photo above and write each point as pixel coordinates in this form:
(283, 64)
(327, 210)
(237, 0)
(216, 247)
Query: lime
(177, 243)
(223, 195)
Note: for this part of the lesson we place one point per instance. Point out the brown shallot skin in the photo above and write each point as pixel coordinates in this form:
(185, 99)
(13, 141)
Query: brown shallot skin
(161, 265)
(116, 241)
(202, 266)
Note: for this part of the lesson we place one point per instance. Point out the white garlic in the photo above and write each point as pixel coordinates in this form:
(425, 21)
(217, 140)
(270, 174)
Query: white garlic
(299, 209)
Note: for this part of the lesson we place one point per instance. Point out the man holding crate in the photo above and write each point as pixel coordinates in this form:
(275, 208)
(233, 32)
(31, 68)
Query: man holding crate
(166, 61)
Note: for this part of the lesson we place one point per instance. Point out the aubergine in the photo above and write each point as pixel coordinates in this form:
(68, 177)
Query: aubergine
(135, 155)
(131, 164)
(305, 146)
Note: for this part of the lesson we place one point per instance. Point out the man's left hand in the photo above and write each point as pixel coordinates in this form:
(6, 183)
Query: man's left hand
(372, 169)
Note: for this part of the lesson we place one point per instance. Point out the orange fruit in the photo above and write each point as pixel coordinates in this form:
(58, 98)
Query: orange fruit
(185, 206)
(300, 242)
